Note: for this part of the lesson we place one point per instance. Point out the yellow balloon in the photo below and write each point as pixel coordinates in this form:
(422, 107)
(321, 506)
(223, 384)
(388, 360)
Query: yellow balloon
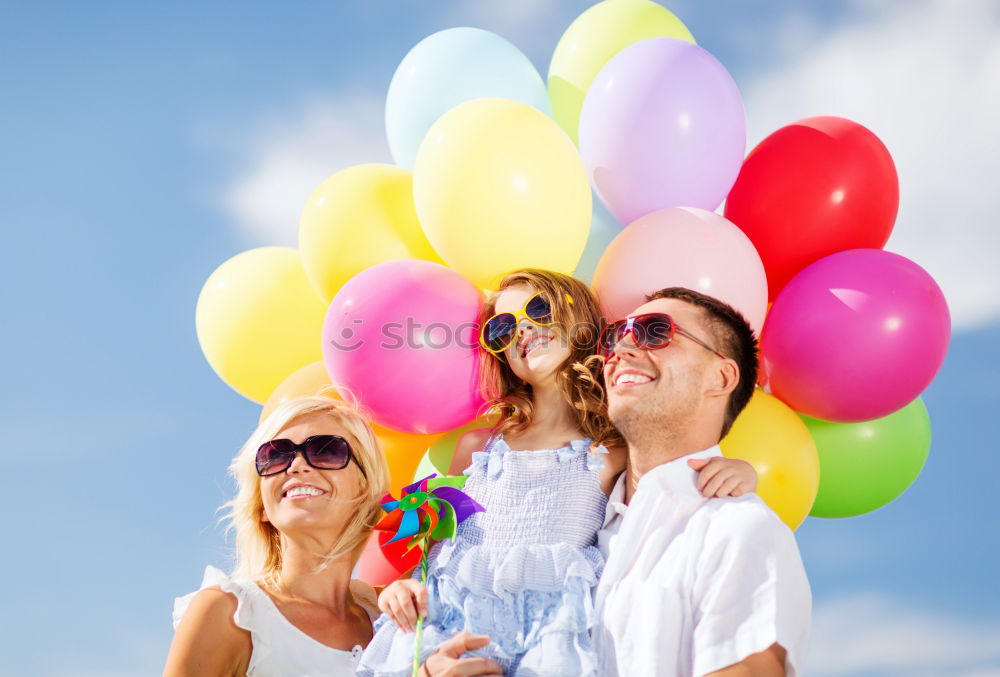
(591, 40)
(771, 437)
(258, 319)
(498, 187)
(357, 218)
(403, 451)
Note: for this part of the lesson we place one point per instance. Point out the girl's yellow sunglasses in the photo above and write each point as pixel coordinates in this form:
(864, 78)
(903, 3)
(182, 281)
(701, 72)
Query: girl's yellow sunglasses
(499, 331)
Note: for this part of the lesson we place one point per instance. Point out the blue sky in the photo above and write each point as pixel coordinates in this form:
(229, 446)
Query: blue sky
(145, 144)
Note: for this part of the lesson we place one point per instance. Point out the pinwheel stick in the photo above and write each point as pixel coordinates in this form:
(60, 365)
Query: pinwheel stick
(418, 645)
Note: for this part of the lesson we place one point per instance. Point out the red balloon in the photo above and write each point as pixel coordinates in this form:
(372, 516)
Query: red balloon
(382, 564)
(811, 189)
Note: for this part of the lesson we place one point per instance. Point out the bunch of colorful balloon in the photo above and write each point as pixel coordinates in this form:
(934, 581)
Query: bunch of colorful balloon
(494, 172)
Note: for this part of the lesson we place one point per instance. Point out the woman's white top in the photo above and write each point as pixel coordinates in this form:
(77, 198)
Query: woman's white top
(279, 648)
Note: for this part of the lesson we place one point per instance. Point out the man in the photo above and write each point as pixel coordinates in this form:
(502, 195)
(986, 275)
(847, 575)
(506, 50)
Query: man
(692, 585)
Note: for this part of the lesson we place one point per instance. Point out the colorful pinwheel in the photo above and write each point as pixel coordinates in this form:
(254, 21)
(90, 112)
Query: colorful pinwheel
(431, 508)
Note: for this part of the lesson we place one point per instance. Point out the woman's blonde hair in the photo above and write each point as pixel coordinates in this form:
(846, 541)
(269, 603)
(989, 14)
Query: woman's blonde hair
(577, 319)
(258, 543)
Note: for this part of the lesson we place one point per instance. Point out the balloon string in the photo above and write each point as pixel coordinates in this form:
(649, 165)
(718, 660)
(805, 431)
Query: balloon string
(420, 619)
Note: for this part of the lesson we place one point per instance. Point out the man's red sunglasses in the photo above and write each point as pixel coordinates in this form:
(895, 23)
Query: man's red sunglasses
(650, 331)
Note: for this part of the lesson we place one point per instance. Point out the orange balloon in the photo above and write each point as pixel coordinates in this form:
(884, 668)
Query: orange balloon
(305, 382)
(772, 438)
(402, 451)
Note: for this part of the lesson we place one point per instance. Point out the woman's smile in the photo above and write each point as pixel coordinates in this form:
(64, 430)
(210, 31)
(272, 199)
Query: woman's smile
(299, 490)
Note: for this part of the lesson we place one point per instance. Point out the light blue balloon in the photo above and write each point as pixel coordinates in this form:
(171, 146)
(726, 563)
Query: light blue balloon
(603, 229)
(449, 68)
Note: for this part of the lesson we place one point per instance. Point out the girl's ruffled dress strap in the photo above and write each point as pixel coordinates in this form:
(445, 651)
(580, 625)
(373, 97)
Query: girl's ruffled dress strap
(490, 459)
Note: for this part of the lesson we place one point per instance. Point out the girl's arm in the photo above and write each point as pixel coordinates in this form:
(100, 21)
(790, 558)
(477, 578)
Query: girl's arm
(614, 465)
(474, 440)
(403, 601)
(208, 642)
(721, 477)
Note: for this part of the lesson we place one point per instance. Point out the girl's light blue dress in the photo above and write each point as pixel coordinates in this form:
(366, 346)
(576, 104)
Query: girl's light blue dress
(523, 572)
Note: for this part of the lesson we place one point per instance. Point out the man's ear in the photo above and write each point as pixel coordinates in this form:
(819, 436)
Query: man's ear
(725, 378)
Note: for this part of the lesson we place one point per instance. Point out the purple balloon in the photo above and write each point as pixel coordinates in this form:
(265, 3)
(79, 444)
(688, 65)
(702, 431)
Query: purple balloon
(662, 126)
(855, 336)
(401, 337)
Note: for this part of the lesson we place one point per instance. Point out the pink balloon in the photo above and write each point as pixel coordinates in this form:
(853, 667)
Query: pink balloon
(662, 126)
(682, 247)
(381, 564)
(855, 336)
(401, 337)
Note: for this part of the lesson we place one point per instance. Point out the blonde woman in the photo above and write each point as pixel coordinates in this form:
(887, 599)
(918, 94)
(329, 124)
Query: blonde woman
(310, 480)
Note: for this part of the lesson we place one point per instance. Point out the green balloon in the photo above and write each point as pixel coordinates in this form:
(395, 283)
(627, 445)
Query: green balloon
(863, 466)
(426, 468)
(440, 452)
(437, 460)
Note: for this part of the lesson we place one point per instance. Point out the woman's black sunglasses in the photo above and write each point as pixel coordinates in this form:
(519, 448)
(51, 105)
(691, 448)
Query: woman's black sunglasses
(323, 452)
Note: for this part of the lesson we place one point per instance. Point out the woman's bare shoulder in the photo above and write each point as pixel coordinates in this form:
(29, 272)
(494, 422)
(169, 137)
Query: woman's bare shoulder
(208, 641)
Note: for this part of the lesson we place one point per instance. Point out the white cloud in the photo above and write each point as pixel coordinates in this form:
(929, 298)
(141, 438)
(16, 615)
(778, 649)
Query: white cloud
(866, 634)
(511, 16)
(924, 75)
(104, 674)
(287, 158)
(534, 26)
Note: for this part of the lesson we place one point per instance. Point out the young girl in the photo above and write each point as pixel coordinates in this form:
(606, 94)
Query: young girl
(523, 572)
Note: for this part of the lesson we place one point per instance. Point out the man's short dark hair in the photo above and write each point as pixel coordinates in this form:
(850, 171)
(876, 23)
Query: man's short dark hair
(732, 336)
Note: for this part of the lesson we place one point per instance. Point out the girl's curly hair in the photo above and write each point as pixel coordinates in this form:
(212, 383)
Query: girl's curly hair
(577, 320)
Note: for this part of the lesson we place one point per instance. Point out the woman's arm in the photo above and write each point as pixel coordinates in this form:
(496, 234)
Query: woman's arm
(208, 642)
(768, 663)
(474, 440)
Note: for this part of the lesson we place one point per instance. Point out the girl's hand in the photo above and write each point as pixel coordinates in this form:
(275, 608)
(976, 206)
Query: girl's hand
(403, 601)
(721, 477)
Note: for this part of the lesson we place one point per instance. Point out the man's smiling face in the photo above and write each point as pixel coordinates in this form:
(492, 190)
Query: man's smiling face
(657, 388)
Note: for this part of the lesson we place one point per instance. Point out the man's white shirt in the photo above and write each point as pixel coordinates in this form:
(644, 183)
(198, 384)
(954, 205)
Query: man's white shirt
(693, 585)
